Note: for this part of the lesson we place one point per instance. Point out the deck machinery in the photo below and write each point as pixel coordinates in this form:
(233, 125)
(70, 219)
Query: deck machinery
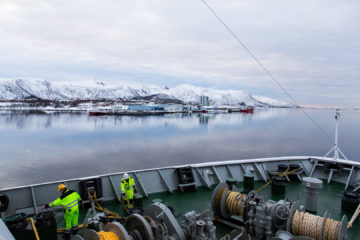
(249, 214)
(271, 220)
(157, 222)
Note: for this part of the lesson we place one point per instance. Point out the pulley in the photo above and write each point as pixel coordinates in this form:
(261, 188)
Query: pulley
(226, 203)
(136, 225)
(111, 230)
(118, 229)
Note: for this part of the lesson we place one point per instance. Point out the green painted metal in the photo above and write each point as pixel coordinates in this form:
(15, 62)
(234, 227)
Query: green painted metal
(329, 200)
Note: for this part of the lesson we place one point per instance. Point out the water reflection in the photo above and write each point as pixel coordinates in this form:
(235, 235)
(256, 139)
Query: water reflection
(46, 147)
(83, 121)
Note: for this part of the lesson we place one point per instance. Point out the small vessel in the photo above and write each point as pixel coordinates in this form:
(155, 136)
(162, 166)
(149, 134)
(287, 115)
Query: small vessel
(247, 109)
(97, 113)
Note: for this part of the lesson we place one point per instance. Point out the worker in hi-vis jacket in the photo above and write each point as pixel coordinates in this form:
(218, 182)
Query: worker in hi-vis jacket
(69, 200)
(127, 190)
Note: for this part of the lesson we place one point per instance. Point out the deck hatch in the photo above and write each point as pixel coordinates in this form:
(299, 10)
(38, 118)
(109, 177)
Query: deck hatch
(186, 178)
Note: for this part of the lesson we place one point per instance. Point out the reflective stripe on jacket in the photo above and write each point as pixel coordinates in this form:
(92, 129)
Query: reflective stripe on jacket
(128, 187)
(68, 200)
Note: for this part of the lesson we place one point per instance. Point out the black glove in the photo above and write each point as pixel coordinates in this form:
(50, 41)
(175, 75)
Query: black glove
(46, 206)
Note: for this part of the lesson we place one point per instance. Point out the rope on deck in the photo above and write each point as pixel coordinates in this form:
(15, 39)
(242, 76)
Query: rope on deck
(283, 174)
(93, 198)
(235, 203)
(31, 220)
(353, 218)
(108, 236)
(100, 208)
(309, 225)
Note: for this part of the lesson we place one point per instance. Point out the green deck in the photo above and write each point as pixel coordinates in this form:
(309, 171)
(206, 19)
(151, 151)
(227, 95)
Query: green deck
(329, 199)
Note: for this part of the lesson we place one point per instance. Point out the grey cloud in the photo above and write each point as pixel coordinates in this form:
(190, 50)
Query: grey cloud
(313, 42)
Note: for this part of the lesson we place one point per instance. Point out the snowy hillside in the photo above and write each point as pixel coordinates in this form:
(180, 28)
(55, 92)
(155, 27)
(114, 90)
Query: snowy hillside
(270, 102)
(19, 89)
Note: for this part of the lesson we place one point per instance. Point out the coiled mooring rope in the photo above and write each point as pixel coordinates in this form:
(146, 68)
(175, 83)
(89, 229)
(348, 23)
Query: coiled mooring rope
(235, 203)
(306, 224)
(108, 236)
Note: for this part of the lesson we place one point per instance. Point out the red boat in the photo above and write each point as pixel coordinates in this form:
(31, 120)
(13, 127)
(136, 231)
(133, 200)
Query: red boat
(247, 110)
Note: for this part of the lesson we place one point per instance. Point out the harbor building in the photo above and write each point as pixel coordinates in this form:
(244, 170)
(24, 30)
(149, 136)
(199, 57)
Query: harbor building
(204, 101)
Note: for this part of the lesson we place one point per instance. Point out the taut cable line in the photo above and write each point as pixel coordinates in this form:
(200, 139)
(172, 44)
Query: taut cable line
(265, 69)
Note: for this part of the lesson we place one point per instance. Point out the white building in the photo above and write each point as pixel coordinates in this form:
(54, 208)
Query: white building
(204, 101)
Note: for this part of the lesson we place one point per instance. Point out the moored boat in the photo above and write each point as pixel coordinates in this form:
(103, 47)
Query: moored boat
(247, 109)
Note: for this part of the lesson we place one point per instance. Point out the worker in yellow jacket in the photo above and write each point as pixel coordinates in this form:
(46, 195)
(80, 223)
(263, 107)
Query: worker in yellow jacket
(128, 189)
(69, 200)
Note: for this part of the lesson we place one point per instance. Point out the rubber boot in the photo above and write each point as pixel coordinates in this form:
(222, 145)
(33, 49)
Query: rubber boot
(74, 230)
(66, 235)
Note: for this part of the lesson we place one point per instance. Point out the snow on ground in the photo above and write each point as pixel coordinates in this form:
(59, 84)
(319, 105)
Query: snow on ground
(19, 89)
(270, 102)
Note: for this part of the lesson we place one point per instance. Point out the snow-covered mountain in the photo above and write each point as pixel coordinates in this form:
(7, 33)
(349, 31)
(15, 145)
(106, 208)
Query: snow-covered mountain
(270, 102)
(19, 89)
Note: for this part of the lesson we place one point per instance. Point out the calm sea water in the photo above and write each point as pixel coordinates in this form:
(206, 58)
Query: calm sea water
(48, 147)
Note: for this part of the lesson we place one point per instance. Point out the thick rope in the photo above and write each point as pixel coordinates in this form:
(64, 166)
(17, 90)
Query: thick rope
(309, 225)
(235, 200)
(100, 208)
(93, 198)
(108, 236)
(283, 174)
(235, 203)
(31, 220)
(62, 230)
(353, 218)
(128, 206)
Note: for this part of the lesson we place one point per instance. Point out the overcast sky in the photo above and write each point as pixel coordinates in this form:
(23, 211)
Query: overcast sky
(311, 47)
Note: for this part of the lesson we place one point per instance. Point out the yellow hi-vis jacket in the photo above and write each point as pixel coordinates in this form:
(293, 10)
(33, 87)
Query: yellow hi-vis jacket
(127, 187)
(68, 200)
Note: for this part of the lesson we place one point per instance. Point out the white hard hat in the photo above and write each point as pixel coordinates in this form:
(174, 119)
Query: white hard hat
(126, 176)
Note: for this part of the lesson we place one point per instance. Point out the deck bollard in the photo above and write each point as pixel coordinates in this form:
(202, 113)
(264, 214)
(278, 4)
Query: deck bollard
(312, 191)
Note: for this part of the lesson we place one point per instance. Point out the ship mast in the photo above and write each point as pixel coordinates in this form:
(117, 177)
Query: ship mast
(336, 148)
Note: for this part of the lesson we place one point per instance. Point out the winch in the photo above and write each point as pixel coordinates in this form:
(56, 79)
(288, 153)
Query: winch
(269, 219)
(157, 222)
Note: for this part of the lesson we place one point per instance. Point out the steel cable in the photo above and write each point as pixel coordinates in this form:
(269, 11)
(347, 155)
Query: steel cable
(265, 69)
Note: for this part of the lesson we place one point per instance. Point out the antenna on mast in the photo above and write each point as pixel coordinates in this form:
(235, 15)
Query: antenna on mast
(336, 148)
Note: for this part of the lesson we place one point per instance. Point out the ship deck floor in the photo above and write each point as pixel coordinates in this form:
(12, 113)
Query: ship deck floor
(199, 200)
